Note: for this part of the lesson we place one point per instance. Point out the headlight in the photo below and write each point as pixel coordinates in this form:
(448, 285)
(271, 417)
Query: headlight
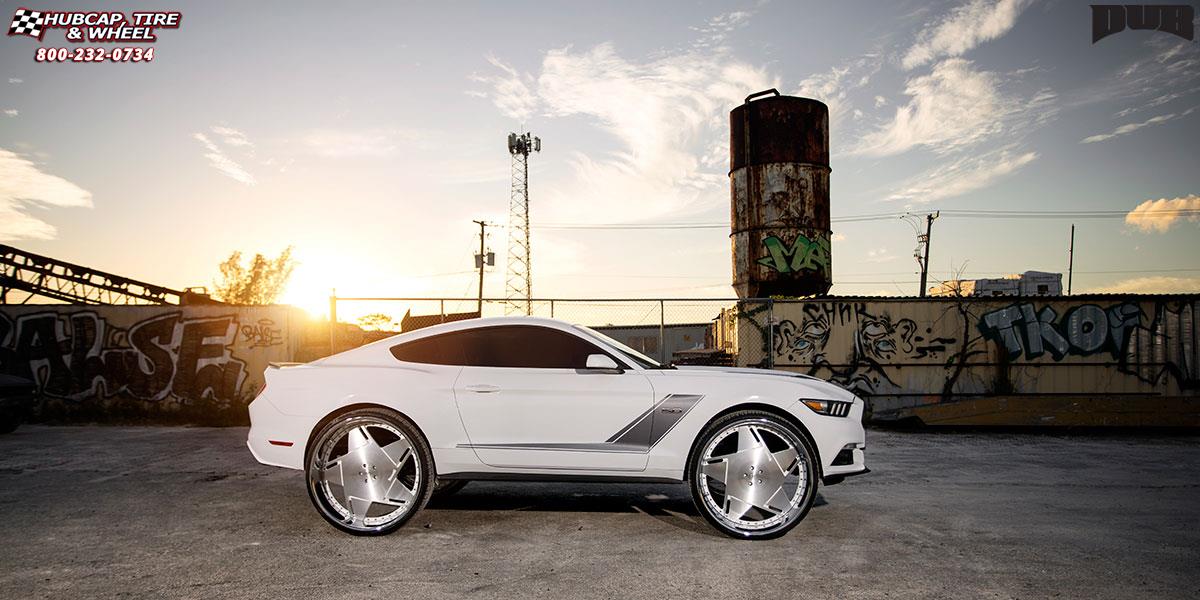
(832, 408)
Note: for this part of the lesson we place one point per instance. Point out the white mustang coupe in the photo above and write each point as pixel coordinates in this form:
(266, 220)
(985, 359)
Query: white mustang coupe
(381, 428)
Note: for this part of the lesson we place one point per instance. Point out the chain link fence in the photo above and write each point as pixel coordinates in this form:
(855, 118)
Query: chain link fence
(712, 331)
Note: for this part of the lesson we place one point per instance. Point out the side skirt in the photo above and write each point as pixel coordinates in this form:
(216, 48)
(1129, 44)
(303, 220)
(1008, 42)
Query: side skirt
(551, 477)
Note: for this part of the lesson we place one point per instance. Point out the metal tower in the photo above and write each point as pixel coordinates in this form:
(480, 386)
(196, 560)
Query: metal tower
(519, 289)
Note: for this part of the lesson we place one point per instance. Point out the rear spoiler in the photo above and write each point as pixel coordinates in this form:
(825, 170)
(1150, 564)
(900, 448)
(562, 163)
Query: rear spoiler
(283, 365)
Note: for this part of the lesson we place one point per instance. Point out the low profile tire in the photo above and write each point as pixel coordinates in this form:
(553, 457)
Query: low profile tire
(446, 488)
(753, 475)
(369, 471)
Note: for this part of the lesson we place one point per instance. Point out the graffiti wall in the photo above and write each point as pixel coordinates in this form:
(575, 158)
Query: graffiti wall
(956, 357)
(195, 364)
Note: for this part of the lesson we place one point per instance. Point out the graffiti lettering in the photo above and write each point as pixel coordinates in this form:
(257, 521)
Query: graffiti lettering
(1084, 330)
(261, 334)
(79, 355)
(804, 254)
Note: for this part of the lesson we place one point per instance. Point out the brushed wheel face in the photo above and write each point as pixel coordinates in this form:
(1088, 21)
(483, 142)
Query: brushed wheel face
(753, 476)
(366, 474)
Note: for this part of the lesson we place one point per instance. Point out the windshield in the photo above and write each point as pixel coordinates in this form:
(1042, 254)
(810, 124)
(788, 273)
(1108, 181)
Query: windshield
(640, 359)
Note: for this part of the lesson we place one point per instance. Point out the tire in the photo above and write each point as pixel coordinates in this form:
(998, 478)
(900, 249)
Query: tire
(753, 475)
(446, 488)
(369, 471)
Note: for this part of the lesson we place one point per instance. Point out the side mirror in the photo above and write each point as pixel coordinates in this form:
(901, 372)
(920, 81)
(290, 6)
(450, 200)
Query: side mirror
(602, 363)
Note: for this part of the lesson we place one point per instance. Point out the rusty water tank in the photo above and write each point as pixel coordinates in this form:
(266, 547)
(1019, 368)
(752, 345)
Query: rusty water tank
(779, 190)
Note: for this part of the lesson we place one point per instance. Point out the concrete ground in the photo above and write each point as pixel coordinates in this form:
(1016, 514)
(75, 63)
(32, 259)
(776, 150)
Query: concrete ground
(99, 512)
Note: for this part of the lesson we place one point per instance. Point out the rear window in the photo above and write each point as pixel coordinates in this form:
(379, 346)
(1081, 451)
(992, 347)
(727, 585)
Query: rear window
(436, 350)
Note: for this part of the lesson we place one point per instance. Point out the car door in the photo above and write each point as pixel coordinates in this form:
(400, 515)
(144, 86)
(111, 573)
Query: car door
(527, 400)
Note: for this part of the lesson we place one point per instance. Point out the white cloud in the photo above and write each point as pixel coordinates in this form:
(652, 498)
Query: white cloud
(667, 115)
(952, 107)
(963, 175)
(1132, 127)
(838, 237)
(834, 86)
(220, 160)
(880, 101)
(23, 183)
(231, 136)
(510, 91)
(718, 28)
(1159, 215)
(11, 112)
(880, 255)
(964, 28)
(338, 143)
(15, 81)
(1152, 285)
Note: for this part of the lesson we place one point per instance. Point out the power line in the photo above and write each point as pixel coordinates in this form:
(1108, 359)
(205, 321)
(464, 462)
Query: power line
(955, 213)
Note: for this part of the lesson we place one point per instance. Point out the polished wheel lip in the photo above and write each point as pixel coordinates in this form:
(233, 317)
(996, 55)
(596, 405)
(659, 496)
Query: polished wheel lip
(753, 461)
(379, 469)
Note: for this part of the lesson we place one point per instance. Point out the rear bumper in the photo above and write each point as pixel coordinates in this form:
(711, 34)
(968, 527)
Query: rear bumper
(277, 439)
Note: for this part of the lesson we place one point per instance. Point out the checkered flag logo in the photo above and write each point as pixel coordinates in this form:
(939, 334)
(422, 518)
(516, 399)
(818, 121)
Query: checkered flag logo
(27, 22)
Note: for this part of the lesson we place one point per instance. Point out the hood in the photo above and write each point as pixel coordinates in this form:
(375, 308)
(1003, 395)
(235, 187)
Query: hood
(834, 390)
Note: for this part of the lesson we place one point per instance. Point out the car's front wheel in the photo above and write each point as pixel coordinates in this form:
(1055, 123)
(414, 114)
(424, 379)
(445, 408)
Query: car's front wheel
(369, 471)
(753, 475)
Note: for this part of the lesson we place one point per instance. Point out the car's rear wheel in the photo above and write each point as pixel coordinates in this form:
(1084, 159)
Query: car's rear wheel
(369, 471)
(753, 475)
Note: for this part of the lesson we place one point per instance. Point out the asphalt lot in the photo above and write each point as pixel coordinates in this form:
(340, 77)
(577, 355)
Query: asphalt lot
(186, 512)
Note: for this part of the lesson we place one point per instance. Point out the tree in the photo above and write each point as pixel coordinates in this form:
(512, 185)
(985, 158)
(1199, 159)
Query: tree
(260, 282)
(376, 322)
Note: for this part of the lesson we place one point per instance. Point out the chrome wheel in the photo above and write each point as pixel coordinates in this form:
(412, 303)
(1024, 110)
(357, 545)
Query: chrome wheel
(367, 474)
(753, 475)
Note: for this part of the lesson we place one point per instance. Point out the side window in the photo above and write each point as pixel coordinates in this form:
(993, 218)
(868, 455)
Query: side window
(445, 349)
(527, 346)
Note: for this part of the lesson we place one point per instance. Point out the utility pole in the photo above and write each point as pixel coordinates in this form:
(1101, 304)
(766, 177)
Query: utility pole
(484, 258)
(1071, 260)
(926, 239)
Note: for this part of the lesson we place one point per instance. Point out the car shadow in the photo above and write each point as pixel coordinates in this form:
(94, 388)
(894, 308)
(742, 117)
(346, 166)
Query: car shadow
(669, 503)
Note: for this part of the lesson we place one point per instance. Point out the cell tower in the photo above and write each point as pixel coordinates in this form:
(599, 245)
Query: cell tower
(520, 271)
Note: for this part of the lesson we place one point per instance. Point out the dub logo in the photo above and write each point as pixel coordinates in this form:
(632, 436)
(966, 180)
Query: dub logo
(1176, 19)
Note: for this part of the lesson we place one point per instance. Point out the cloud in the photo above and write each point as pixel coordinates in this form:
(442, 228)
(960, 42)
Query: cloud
(1160, 215)
(23, 183)
(963, 175)
(1152, 285)
(880, 101)
(834, 86)
(220, 160)
(232, 137)
(838, 237)
(510, 91)
(339, 143)
(15, 81)
(880, 255)
(964, 28)
(952, 107)
(11, 112)
(717, 29)
(666, 115)
(1132, 127)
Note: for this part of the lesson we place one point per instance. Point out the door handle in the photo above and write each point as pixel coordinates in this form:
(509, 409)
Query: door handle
(483, 388)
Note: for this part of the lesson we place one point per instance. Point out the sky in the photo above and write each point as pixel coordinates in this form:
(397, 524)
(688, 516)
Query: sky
(371, 141)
